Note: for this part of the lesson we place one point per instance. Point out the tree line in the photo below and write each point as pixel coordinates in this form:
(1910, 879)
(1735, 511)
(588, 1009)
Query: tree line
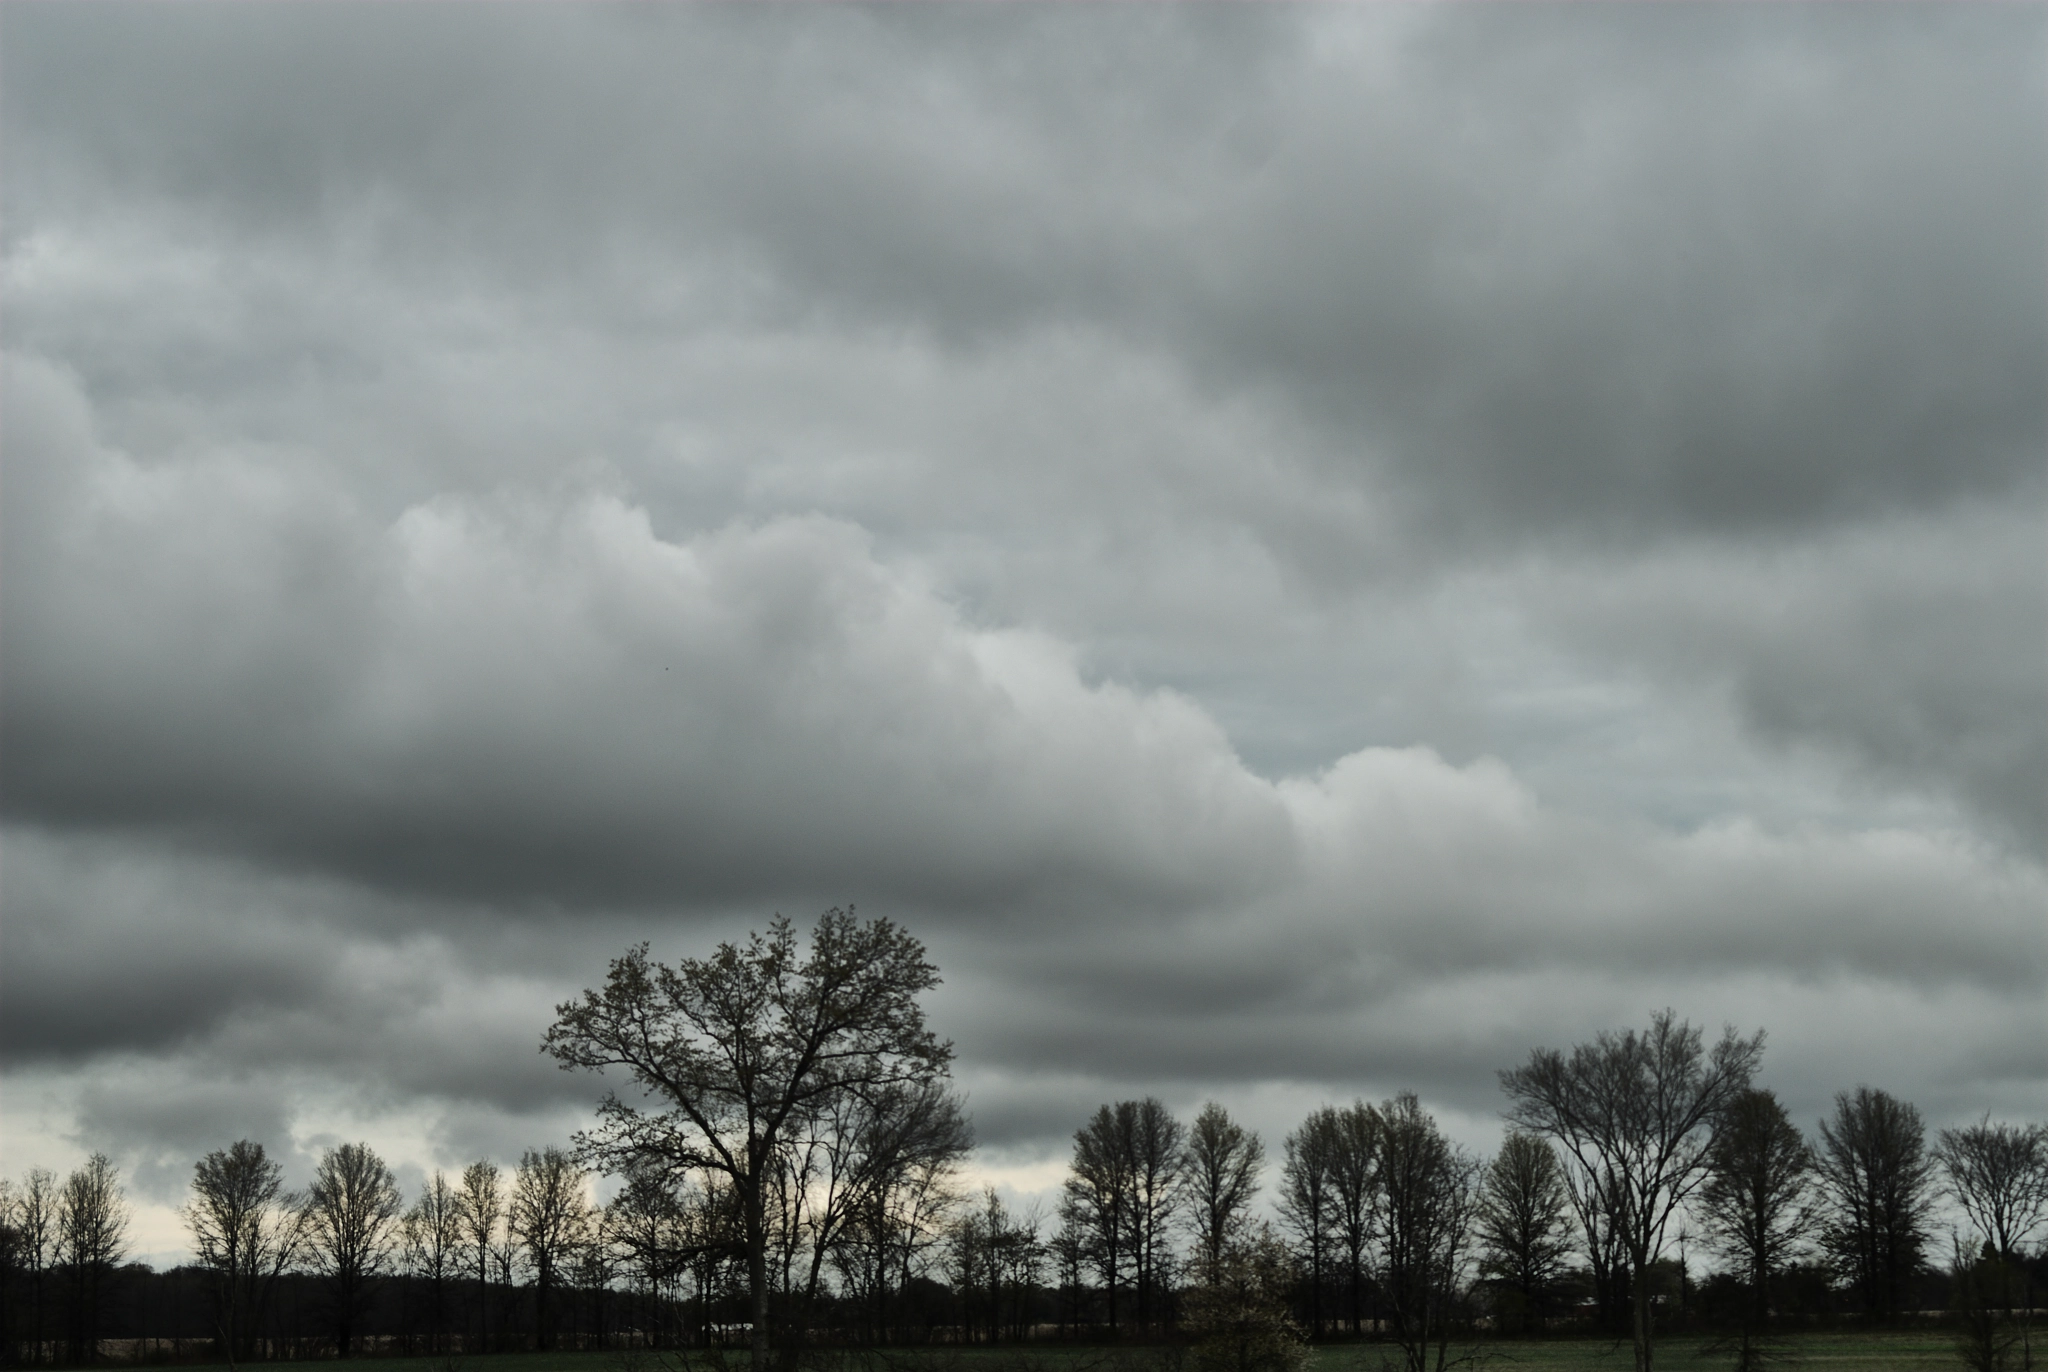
(786, 1166)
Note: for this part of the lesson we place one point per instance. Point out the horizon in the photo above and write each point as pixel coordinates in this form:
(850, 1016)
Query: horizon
(1303, 551)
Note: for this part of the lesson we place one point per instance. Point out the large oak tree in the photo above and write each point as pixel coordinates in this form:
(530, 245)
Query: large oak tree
(1636, 1114)
(733, 1052)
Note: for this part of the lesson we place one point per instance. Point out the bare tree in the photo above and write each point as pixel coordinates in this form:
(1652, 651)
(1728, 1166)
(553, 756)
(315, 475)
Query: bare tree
(246, 1233)
(1424, 1228)
(854, 1150)
(1069, 1250)
(1636, 1112)
(1307, 1200)
(91, 1225)
(647, 1223)
(351, 1213)
(1156, 1139)
(903, 1207)
(35, 1224)
(481, 1205)
(1099, 1189)
(1878, 1181)
(1757, 1204)
(547, 1218)
(1998, 1173)
(1354, 1185)
(742, 1043)
(1222, 1166)
(1522, 1222)
(10, 1270)
(995, 1257)
(433, 1237)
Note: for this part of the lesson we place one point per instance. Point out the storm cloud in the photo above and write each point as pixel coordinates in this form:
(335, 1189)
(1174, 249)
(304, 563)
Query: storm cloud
(1303, 550)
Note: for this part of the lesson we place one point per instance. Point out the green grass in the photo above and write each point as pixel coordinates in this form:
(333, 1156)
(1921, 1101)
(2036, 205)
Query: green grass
(1931, 1350)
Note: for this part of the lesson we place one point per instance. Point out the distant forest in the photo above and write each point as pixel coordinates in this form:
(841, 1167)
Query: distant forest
(786, 1171)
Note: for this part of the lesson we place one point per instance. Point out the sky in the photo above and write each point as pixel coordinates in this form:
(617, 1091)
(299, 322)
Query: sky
(1305, 551)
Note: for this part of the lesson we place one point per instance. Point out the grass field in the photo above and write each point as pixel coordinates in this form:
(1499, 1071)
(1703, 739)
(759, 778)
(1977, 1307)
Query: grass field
(1931, 1350)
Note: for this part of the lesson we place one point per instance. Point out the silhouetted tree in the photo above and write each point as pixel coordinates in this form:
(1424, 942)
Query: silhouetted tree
(91, 1227)
(845, 1153)
(995, 1259)
(1636, 1113)
(246, 1232)
(1068, 1248)
(1100, 1188)
(1354, 1186)
(1424, 1227)
(743, 1043)
(1878, 1182)
(547, 1218)
(1998, 1174)
(1221, 1166)
(351, 1213)
(36, 1246)
(480, 1204)
(1156, 1140)
(433, 1239)
(1522, 1224)
(1757, 1204)
(1307, 1200)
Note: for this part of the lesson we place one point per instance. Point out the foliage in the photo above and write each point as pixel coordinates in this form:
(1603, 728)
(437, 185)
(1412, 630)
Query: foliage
(1239, 1322)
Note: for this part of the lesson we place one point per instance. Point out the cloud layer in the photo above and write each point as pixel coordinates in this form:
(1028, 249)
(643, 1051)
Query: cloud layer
(1304, 551)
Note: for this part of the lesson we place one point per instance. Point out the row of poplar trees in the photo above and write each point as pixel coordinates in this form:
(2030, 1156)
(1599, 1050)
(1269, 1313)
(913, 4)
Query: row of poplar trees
(1618, 1150)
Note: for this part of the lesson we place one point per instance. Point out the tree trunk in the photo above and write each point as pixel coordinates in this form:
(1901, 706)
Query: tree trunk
(1640, 1300)
(757, 1279)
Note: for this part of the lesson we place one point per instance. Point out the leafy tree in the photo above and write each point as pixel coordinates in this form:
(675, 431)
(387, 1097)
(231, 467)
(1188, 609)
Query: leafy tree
(351, 1214)
(1222, 1166)
(1635, 1111)
(1878, 1181)
(1522, 1223)
(1238, 1316)
(740, 1046)
(1757, 1204)
(246, 1231)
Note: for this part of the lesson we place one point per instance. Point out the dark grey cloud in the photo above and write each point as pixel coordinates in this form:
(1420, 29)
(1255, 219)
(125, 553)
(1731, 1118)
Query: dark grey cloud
(1610, 271)
(1305, 550)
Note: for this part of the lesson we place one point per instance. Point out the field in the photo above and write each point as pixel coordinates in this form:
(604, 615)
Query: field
(1929, 1351)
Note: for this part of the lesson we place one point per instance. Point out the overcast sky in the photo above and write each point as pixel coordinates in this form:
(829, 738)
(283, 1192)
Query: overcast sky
(1304, 550)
